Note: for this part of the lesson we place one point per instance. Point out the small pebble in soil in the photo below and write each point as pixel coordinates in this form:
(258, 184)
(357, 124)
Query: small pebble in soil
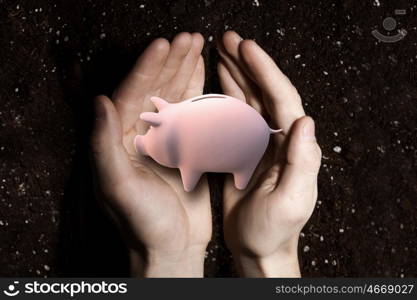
(337, 149)
(297, 56)
(210, 38)
(306, 248)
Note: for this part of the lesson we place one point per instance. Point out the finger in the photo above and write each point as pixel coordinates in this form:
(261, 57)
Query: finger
(228, 84)
(196, 84)
(231, 62)
(130, 94)
(180, 81)
(231, 41)
(298, 179)
(179, 49)
(110, 159)
(286, 102)
(229, 52)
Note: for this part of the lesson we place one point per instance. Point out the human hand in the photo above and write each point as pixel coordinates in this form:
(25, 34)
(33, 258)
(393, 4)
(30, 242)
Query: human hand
(262, 223)
(165, 228)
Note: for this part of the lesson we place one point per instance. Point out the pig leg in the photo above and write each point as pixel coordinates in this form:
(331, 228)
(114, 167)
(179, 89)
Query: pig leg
(189, 179)
(139, 144)
(242, 177)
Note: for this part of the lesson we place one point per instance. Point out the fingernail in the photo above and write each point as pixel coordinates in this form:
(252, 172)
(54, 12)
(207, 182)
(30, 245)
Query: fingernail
(309, 130)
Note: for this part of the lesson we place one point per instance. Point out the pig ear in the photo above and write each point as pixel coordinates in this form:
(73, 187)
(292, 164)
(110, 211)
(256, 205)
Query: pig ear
(159, 103)
(150, 117)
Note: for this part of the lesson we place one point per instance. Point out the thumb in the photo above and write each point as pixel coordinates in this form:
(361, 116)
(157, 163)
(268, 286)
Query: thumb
(107, 128)
(110, 159)
(299, 175)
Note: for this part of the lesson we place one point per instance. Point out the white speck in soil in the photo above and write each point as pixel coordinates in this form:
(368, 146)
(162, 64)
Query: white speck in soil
(313, 263)
(337, 149)
(306, 248)
(281, 32)
(46, 267)
(341, 230)
(102, 35)
(210, 38)
(381, 149)
(66, 38)
(142, 6)
(256, 3)
(16, 90)
(297, 56)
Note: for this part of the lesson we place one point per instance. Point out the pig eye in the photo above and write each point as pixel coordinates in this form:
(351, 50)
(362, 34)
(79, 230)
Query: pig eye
(207, 97)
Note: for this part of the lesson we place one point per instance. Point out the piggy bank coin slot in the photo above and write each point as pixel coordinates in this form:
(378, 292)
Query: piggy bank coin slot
(208, 97)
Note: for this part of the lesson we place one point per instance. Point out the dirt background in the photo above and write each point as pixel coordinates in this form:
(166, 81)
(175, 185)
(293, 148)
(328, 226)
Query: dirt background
(56, 55)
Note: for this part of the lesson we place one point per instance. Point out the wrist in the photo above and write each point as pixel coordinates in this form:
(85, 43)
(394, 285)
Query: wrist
(163, 263)
(281, 264)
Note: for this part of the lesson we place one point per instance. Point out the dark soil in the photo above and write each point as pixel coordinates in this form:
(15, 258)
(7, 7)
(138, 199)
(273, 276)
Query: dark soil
(56, 55)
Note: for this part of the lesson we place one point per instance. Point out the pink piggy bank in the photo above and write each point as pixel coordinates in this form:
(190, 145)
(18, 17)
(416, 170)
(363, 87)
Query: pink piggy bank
(208, 133)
